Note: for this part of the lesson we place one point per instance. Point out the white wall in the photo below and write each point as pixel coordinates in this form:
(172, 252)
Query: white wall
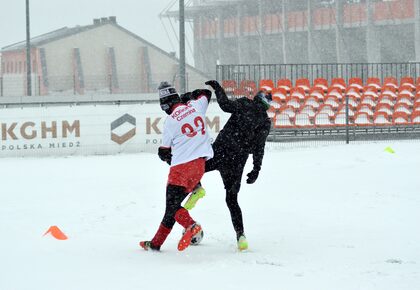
(94, 44)
(39, 131)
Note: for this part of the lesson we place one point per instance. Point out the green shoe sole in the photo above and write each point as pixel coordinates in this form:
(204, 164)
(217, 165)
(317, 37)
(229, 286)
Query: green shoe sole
(194, 197)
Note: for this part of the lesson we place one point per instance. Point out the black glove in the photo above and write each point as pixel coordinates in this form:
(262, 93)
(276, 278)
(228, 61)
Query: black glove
(185, 98)
(212, 83)
(165, 154)
(252, 176)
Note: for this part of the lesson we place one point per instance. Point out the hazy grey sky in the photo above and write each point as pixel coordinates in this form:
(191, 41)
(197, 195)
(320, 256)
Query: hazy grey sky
(138, 16)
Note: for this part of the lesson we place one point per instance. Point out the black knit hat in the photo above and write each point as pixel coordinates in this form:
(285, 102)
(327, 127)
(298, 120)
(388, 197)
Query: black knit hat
(167, 97)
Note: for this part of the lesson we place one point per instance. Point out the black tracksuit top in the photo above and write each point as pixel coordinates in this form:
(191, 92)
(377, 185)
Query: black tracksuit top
(244, 133)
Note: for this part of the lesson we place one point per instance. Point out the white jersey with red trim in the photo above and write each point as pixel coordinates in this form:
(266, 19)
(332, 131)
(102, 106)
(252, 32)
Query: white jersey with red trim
(185, 132)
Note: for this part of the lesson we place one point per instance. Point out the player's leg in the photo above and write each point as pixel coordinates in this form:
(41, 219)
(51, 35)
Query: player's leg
(192, 173)
(199, 191)
(232, 184)
(174, 196)
(231, 177)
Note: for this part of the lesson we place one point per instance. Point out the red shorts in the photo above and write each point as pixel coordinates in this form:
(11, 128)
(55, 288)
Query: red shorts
(187, 174)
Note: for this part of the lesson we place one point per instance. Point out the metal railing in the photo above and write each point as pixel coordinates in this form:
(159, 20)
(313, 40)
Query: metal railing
(257, 72)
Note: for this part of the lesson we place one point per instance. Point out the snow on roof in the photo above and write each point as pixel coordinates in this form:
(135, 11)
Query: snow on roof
(49, 37)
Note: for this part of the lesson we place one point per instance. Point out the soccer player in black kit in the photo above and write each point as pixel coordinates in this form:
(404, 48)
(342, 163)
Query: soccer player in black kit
(245, 133)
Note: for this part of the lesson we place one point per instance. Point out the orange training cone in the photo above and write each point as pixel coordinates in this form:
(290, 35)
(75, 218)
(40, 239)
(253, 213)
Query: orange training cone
(56, 233)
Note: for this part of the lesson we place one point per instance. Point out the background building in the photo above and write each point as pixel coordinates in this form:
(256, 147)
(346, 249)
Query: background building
(95, 59)
(304, 31)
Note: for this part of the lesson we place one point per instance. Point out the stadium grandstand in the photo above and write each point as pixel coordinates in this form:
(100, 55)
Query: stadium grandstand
(332, 66)
(303, 31)
(328, 99)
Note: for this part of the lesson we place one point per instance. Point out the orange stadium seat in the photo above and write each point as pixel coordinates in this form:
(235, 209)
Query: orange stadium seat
(294, 102)
(298, 92)
(389, 94)
(327, 109)
(240, 92)
(416, 107)
(374, 83)
(334, 91)
(339, 83)
(285, 84)
(312, 101)
(280, 93)
(248, 86)
(406, 92)
(356, 94)
(408, 88)
(407, 82)
(303, 120)
(386, 99)
(322, 120)
(404, 98)
(321, 83)
(389, 88)
(402, 107)
(333, 101)
(288, 110)
(381, 119)
(308, 109)
(391, 82)
(400, 118)
(229, 86)
(415, 117)
(282, 120)
(372, 92)
(383, 107)
(362, 119)
(365, 108)
(271, 112)
(368, 99)
(354, 101)
(342, 109)
(340, 119)
(267, 85)
(276, 103)
(356, 83)
(304, 84)
(317, 93)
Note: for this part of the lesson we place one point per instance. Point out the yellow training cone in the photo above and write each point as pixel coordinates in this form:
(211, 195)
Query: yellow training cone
(389, 150)
(56, 233)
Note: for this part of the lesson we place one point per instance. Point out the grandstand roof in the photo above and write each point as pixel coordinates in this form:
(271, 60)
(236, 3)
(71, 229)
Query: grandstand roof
(199, 8)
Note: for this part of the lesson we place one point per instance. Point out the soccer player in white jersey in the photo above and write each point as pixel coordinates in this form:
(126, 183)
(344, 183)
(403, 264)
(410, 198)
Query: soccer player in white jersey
(186, 146)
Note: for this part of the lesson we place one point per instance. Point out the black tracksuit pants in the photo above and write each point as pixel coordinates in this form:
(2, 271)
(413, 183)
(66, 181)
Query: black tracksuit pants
(231, 169)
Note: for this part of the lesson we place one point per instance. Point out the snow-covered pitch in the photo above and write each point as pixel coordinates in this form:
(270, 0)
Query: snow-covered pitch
(332, 218)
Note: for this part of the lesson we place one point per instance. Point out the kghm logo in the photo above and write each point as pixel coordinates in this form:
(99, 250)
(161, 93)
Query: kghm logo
(120, 129)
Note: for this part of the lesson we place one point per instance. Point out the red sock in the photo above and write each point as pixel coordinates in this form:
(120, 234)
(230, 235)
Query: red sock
(160, 235)
(183, 218)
